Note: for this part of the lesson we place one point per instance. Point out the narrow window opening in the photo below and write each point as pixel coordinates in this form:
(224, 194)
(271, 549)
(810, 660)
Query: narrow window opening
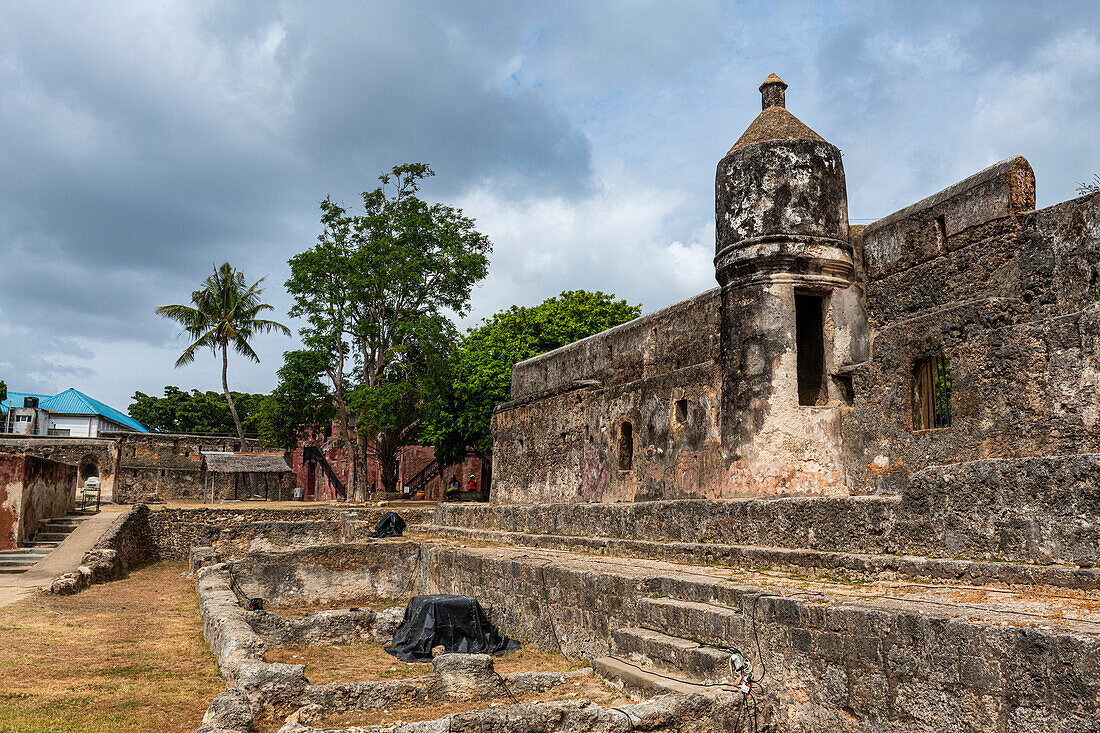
(844, 386)
(810, 337)
(681, 411)
(941, 228)
(1094, 285)
(626, 447)
(932, 394)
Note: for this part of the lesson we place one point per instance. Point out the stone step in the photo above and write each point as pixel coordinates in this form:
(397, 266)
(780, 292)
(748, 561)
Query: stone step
(673, 655)
(50, 536)
(708, 622)
(637, 681)
(10, 562)
(59, 524)
(12, 570)
(824, 563)
(33, 556)
(37, 543)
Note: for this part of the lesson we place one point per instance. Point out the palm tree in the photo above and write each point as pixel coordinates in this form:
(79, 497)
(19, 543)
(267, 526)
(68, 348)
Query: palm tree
(223, 315)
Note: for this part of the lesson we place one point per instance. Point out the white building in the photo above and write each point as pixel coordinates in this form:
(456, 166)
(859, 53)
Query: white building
(68, 414)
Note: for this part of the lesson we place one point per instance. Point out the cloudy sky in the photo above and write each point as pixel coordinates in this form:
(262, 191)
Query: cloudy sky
(142, 142)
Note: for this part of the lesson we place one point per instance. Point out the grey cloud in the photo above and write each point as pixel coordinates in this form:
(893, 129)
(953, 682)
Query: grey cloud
(140, 145)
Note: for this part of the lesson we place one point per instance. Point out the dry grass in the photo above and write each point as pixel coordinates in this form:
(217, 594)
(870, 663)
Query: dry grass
(125, 656)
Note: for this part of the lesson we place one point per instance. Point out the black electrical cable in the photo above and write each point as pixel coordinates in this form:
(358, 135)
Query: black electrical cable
(505, 685)
(724, 685)
(755, 723)
(756, 637)
(546, 607)
(629, 720)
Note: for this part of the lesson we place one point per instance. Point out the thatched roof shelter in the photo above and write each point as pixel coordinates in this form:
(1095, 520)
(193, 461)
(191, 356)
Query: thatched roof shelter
(242, 473)
(245, 463)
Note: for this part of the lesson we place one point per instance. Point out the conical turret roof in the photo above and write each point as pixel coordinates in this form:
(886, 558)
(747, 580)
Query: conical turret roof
(774, 122)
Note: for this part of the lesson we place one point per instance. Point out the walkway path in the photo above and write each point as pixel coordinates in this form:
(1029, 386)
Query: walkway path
(65, 558)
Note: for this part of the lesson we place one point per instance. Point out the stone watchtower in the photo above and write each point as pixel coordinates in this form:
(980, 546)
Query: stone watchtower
(791, 316)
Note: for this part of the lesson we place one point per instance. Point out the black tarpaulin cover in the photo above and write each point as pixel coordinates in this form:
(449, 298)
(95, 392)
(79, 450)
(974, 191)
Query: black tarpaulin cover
(457, 622)
(390, 525)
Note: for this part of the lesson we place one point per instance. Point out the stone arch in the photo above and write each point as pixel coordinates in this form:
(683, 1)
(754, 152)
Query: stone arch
(89, 466)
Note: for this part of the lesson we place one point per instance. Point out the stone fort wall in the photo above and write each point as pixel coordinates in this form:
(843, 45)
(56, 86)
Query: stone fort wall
(1007, 295)
(562, 437)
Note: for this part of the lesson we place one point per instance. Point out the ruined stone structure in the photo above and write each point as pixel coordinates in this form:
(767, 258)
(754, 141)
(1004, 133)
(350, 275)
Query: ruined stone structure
(131, 466)
(32, 490)
(830, 360)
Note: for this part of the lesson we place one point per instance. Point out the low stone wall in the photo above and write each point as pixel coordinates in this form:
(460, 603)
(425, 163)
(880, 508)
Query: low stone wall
(1039, 510)
(853, 524)
(32, 489)
(125, 545)
(175, 531)
(141, 536)
(1044, 509)
(863, 666)
(374, 570)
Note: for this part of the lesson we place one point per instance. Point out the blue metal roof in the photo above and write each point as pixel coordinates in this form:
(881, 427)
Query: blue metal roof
(75, 402)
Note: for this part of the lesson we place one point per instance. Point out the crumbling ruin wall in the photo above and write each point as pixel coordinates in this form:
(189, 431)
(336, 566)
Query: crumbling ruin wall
(858, 667)
(1036, 510)
(32, 489)
(628, 414)
(92, 456)
(155, 465)
(1009, 297)
(175, 531)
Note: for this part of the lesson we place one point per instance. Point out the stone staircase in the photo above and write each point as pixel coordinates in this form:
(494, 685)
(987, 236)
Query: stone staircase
(651, 659)
(50, 534)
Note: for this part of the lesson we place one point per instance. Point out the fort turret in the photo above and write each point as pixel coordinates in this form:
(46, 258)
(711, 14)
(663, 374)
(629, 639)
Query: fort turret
(781, 206)
(790, 316)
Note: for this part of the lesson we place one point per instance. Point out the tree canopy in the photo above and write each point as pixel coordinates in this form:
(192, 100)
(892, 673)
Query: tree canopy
(301, 404)
(377, 288)
(195, 412)
(481, 369)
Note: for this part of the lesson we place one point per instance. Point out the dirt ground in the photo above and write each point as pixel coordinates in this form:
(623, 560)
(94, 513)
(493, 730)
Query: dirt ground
(369, 661)
(121, 657)
(586, 688)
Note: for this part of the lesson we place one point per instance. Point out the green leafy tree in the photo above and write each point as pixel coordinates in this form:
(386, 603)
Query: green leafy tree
(195, 412)
(301, 404)
(377, 285)
(223, 313)
(481, 369)
(3, 390)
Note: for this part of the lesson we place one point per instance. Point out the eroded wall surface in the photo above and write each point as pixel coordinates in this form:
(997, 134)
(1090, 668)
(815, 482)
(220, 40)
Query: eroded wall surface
(1009, 297)
(164, 466)
(562, 438)
(92, 456)
(32, 489)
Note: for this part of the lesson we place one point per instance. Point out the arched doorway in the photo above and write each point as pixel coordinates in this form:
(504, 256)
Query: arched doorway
(88, 467)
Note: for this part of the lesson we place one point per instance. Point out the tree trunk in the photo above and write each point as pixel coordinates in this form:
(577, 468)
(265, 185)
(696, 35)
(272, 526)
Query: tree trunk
(388, 463)
(233, 412)
(345, 429)
(229, 397)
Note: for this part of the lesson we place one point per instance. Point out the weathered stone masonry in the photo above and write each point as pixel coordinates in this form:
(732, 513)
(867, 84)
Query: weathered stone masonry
(802, 374)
